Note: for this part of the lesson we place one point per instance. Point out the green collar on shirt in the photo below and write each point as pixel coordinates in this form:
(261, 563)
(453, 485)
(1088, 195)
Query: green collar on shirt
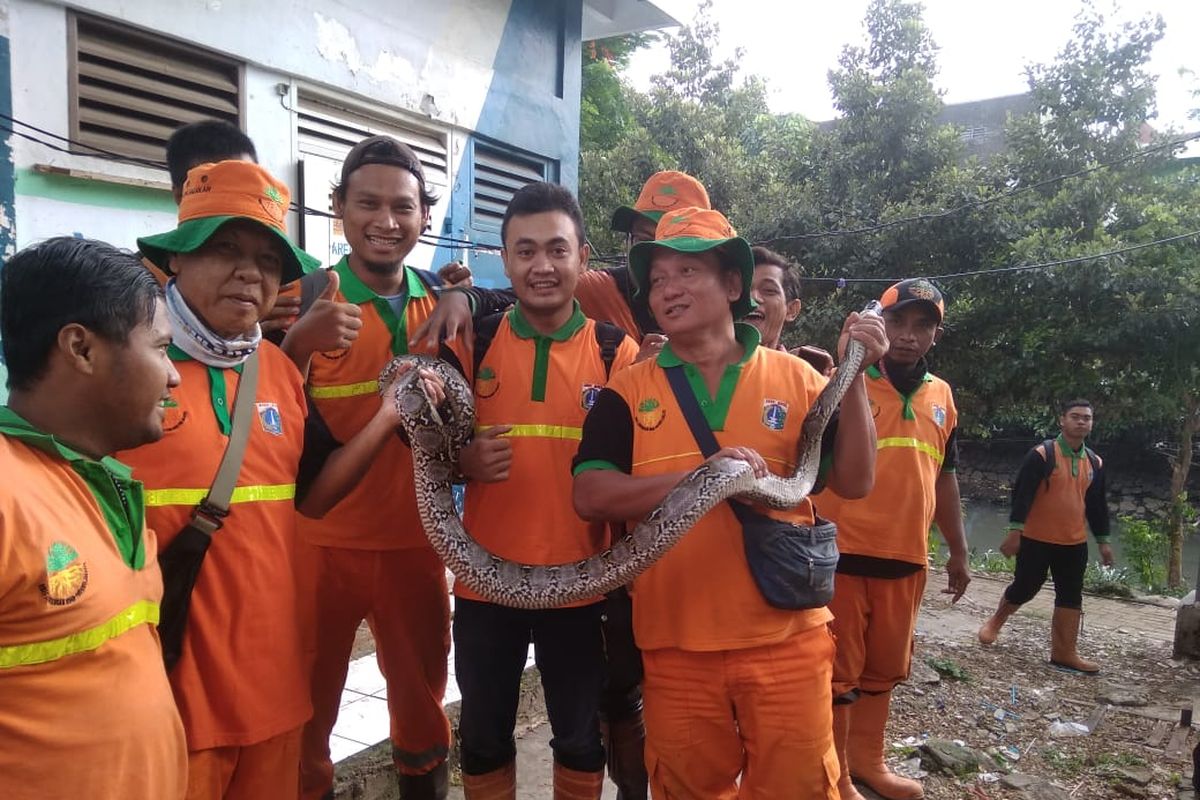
(216, 389)
(119, 496)
(875, 373)
(1075, 455)
(357, 292)
(541, 343)
(715, 409)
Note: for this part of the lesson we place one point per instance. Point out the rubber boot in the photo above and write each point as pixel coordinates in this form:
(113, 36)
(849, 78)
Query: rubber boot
(499, 784)
(571, 784)
(1064, 641)
(841, 729)
(864, 747)
(991, 628)
(433, 785)
(626, 748)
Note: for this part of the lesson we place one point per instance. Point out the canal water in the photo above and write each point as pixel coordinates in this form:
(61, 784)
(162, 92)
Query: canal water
(986, 524)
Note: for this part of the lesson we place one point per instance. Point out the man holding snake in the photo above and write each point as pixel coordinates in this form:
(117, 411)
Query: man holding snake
(737, 691)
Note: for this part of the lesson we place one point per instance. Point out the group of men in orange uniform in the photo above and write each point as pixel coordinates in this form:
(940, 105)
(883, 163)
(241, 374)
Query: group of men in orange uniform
(582, 380)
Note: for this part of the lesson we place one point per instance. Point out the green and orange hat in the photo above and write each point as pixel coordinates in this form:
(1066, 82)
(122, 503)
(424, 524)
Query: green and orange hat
(912, 291)
(216, 193)
(662, 192)
(695, 230)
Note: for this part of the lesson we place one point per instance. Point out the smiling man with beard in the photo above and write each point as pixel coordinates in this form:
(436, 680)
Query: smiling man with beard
(85, 707)
(368, 557)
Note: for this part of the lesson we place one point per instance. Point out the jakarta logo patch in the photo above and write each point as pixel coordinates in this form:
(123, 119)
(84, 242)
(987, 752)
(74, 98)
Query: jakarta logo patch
(173, 415)
(588, 394)
(650, 414)
(939, 415)
(774, 414)
(269, 418)
(66, 575)
(486, 382)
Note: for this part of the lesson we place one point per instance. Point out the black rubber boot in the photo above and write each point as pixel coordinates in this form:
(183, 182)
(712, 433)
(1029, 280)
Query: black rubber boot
(433, 785)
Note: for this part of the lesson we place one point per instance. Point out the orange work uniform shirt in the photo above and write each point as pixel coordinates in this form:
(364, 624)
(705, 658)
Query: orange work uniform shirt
(700, 596)
(912, 435)
(85, 707)
(240, 679)
(1058, 513)
(380, 513)
(542, 386)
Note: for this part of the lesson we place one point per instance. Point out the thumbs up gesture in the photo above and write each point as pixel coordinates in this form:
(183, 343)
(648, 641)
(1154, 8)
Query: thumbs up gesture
(328, 325)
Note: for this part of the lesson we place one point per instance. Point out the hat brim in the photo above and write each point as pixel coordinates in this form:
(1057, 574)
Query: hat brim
(641, 254)
(192, 234)
(624, 217)
(915, 300)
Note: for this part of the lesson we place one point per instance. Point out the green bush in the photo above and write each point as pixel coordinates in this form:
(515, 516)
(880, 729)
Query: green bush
(1144, 546)
(1108, 581)
(992, 562)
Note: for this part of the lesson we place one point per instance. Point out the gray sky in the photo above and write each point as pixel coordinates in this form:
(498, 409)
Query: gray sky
(984, 46)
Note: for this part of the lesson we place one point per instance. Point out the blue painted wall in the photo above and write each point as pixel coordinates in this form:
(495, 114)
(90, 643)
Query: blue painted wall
(532, 107)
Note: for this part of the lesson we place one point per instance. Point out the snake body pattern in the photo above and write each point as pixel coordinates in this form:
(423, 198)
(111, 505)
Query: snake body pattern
(437, 435)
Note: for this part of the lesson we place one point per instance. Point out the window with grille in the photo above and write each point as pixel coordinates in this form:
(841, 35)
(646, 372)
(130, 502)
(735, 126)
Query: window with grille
(496, 176)
(130, 90)
(330, 130)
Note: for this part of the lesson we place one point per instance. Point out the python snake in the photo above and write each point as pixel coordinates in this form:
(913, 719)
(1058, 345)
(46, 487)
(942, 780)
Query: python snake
(437, 435)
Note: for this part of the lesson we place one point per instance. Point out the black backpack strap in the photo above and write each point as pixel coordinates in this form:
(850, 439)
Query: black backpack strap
(692, 414)
(431, 279)
(1048, 453)
(485, 331)
(608, 338)
(311, 286)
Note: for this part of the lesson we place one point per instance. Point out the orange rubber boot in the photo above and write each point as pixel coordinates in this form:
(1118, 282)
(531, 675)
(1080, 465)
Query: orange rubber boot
(570, 784)
(841, 729)
(499, 784)
(991, 629)
(1064, 642)
(864, 746)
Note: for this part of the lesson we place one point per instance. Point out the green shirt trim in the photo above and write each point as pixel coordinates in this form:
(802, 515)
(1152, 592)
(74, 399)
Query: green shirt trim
(1075, 455)
(357, 292)
(119, 496)
(595, 463)
(216, 389)
(875, 373)
(541, 343)
(715, 409)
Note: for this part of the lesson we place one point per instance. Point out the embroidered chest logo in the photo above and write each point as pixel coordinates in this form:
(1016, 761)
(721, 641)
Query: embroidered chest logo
(486, 382)
(774, 414)
(173, 415)
(66, 575)
(650, 414)
(939, 415)
(269, 418)
(588, 394)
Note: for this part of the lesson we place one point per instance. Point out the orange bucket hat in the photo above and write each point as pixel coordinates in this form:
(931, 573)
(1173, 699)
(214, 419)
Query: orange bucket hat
(662, 192)
(695, 230)
(216, 193)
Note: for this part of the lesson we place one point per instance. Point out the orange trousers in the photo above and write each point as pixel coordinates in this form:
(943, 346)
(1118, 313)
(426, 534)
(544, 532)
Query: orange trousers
(874, 622)
(403, 596)
(263, 771)
(763, 713)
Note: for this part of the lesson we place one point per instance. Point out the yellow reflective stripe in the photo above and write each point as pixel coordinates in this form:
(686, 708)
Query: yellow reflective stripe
(542, 431)
(343, 390)
(143, 612)
(241, 494)
(907, 441)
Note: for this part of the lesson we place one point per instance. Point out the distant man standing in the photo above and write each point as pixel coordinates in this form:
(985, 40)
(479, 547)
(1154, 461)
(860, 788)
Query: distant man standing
(1059, 493)
(85, 707)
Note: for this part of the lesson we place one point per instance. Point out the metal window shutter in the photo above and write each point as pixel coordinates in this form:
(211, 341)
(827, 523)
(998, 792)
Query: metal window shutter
(330, 131)
(132, 90)
(496, 177)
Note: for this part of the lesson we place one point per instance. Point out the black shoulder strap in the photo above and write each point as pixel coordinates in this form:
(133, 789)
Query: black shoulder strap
(609, 338)
(686, 399)
(311, 286)
(1093, 459)
(1048, 451)
(485, 331)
